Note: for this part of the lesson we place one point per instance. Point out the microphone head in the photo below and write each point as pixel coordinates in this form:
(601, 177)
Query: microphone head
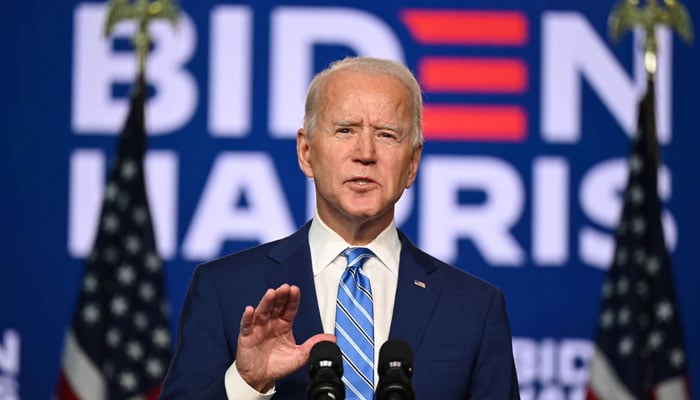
(325, 354)
(325, 372)
(395, 353)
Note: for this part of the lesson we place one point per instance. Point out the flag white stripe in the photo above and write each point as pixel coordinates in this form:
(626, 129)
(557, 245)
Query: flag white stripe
(604, 381)
(82, 375)
(672, 389)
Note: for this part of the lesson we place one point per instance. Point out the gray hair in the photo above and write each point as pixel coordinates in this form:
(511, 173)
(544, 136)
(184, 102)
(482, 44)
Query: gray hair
(374, 66)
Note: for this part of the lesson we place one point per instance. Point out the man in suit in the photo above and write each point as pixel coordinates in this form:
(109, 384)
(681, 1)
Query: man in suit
(361, 144)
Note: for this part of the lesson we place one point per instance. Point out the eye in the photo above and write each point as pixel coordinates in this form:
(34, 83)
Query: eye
(343, 130)
(390, 136)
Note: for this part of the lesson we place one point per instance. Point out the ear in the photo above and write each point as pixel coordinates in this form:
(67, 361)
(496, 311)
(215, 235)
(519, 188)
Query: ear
(304, 153)
(413, 167)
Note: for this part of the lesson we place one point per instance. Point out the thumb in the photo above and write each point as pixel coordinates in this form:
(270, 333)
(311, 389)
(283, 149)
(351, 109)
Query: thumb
(311, 342)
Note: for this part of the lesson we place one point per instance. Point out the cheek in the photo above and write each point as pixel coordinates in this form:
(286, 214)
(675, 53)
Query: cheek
(325, 173)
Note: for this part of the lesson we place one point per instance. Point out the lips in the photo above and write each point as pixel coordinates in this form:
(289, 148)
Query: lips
(361, 181)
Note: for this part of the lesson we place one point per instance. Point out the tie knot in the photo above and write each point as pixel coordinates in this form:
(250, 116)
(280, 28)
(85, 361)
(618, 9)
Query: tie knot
(357, 256)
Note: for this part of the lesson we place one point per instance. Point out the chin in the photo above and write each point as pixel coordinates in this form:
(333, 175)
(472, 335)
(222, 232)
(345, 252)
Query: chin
(366, 213)
(363, 214)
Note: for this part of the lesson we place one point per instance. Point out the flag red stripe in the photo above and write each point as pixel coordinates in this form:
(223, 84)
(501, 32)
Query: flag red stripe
(466, 27)
(590, 395)
(467, 122)
(63, 389)
(153, 393)
(463, 74)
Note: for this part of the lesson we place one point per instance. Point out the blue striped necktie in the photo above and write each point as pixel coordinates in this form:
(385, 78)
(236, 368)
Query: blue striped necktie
(354, 326)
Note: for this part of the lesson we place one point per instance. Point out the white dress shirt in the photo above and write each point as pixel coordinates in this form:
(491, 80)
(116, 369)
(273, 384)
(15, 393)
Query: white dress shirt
(328, 265)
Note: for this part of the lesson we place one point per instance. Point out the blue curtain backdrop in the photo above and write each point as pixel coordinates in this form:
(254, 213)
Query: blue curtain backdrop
(523, 166)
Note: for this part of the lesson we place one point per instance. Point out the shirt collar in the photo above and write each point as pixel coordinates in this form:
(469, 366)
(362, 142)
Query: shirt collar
(325, 245)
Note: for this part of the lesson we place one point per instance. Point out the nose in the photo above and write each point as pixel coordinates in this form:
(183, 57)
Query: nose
(365, 147)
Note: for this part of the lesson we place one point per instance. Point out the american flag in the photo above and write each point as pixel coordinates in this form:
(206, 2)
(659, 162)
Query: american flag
(118, 346)
(639, 350)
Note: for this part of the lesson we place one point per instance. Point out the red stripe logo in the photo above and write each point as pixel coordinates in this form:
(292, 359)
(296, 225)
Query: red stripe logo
(471, 75)
(477, 75)
(474, 122)
(500, 28)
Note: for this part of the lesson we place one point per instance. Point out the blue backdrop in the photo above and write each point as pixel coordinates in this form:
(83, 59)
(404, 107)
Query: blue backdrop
(525, 194)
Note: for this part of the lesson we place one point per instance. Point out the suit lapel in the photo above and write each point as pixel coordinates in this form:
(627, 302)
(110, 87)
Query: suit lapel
(417, 292)
(293, 266)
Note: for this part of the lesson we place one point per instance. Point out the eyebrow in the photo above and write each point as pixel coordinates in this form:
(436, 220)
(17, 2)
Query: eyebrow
(389, 127)
(395, 128)
(345, 122)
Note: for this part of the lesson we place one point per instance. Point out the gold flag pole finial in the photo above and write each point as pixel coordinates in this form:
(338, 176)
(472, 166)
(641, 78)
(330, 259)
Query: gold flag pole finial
(143, 11)
(627, 14)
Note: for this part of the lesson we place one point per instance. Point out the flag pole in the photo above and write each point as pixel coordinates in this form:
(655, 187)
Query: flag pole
(142, 11)
(626, 15)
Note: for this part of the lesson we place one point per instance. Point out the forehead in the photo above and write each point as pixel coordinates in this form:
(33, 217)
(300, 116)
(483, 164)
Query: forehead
(375, 91)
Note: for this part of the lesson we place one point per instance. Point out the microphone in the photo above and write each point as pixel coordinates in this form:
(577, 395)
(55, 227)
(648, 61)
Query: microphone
(325, 371)
(395, 371)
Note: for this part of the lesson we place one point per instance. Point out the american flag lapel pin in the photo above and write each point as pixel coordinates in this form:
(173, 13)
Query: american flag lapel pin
(418, 283)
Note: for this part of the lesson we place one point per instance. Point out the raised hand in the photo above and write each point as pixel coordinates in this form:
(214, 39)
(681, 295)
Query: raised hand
(267, 350)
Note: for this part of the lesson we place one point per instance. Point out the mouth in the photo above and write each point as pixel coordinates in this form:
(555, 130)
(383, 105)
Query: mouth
(361, 181)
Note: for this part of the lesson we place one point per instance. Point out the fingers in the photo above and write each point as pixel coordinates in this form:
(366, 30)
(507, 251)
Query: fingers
(292, 304)
(247, 321)
(264, 308)
(282, 302)
(281, 299)
(267, 349)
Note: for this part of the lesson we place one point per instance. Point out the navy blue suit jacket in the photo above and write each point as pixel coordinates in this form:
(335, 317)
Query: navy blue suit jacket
(456, 325)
